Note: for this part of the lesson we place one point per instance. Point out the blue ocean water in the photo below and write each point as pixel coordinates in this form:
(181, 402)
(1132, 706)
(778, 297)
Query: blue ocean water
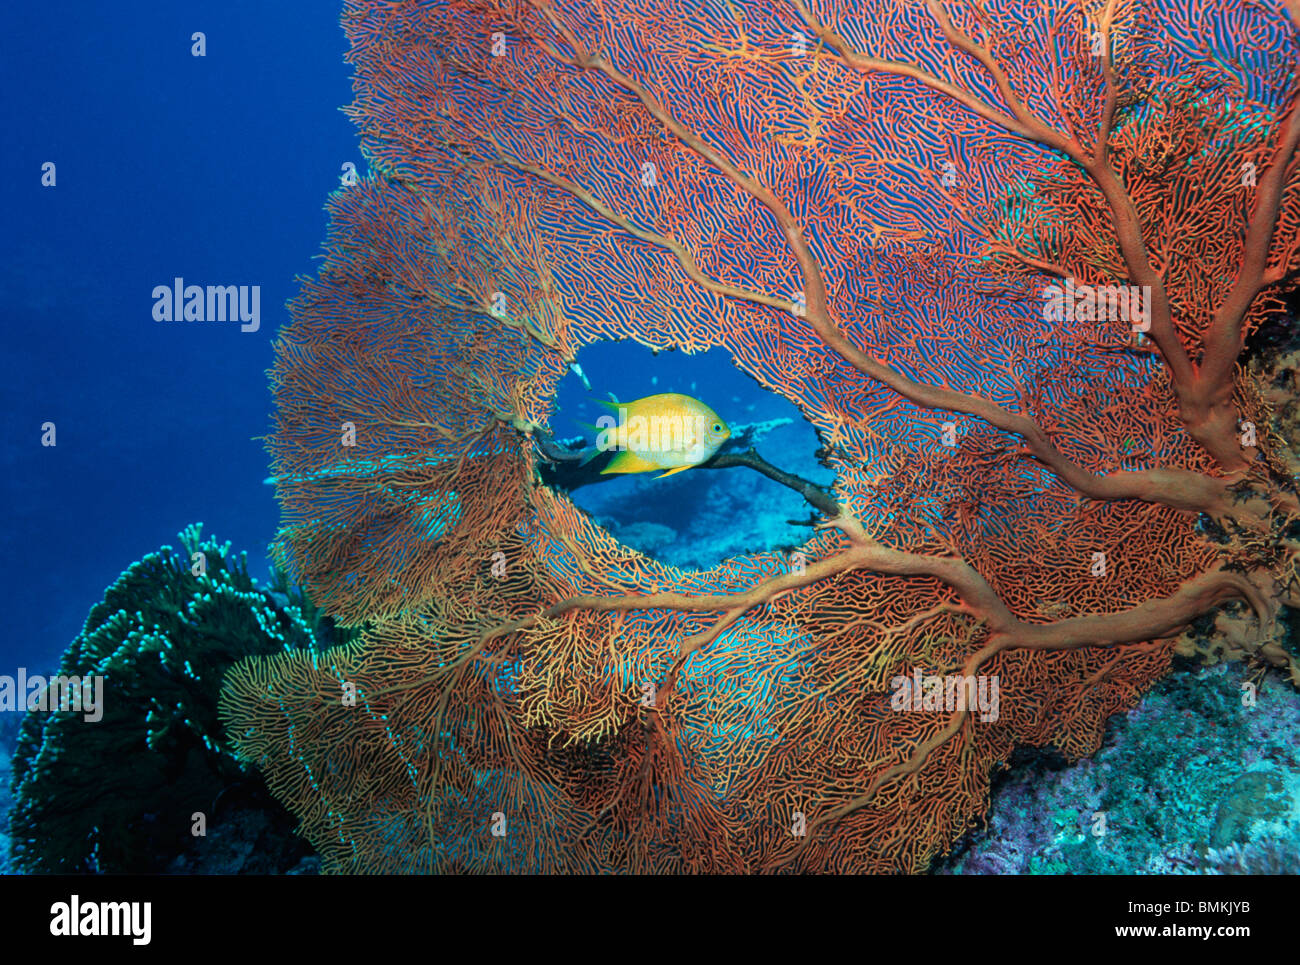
(213, 169)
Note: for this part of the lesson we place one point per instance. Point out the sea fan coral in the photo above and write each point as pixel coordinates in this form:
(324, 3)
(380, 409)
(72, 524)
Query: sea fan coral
(864, 205)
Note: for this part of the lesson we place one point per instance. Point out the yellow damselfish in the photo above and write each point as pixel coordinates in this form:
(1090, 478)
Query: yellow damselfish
(667, 431)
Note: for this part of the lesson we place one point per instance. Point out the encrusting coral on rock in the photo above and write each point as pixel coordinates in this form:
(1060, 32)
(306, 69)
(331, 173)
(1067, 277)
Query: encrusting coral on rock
(117, 788)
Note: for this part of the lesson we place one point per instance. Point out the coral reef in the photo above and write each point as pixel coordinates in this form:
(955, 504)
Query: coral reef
(118, 794)
(1191, 781)
(8, 737)
(869, 206)
(255, 838)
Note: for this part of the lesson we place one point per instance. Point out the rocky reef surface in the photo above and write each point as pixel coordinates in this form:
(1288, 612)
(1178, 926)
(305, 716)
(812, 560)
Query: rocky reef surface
(1193, 780)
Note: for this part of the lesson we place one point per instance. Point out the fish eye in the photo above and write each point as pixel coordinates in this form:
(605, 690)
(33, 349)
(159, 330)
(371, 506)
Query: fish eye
(717, 427)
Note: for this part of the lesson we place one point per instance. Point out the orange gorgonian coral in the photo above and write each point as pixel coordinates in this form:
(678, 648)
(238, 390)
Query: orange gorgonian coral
(1003, 256)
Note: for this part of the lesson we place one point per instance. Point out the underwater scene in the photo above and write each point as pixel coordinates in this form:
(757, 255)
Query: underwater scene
(646, 437)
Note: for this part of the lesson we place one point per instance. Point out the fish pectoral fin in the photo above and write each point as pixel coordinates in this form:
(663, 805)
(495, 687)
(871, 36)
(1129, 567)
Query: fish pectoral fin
(673, 470)
(629, 462)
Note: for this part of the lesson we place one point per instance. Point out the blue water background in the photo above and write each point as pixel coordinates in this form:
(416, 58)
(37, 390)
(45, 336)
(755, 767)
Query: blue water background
(210, 168)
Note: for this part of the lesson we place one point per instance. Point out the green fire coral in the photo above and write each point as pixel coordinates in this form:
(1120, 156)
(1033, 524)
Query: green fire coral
(119, 794)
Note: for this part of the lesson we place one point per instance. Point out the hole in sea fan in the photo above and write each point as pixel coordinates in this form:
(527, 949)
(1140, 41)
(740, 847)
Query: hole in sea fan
(697, 518)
